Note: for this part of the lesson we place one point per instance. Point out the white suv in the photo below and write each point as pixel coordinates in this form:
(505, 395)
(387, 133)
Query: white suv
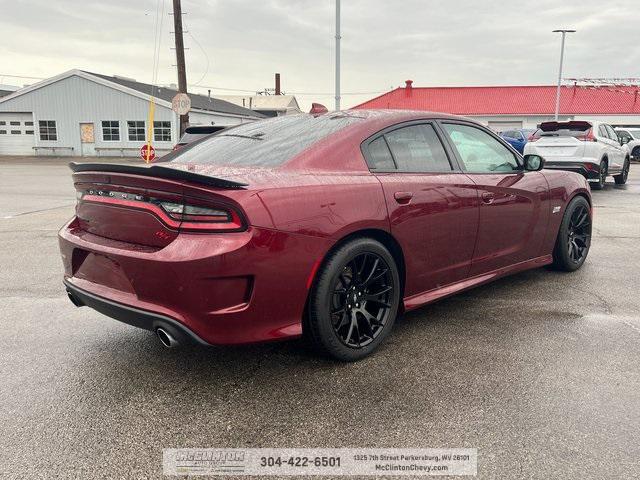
(631, 138)
(588, 147)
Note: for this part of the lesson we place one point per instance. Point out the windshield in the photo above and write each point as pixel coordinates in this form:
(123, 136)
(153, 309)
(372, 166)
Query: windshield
(265, 143)
(635, 133)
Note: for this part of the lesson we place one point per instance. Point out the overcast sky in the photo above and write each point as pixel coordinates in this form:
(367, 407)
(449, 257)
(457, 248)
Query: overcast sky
(435, 43)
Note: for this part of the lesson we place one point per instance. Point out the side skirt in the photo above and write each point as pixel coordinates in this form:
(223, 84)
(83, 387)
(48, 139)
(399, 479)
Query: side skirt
(423, 298)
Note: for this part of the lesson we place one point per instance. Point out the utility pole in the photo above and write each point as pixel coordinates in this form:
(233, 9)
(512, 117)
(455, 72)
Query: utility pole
(564, 33)
(182, 71)
(338, 55)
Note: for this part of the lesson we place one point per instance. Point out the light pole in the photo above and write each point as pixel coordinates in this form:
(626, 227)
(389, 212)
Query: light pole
(338, 55)
(564, 33)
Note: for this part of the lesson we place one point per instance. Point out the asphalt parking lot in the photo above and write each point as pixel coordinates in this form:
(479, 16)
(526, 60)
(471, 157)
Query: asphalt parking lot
(540, 371)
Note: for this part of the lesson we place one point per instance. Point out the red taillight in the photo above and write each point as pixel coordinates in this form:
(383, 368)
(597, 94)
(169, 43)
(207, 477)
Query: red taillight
(175, 215)
(588, 136)
(196, 218)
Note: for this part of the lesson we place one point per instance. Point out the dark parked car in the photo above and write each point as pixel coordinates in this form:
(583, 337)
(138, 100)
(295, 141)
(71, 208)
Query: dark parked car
(518, 138)
(196, 132)
(326, 225)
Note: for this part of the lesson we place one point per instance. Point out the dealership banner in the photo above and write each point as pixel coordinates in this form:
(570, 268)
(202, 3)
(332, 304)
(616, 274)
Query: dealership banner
(320, 461)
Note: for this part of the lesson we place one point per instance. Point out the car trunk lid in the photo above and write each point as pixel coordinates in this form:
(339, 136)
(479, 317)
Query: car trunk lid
(139, 205)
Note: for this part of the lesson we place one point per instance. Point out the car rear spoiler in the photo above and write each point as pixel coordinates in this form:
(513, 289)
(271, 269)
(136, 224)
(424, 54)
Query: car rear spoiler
(570, 125)
(158, 172)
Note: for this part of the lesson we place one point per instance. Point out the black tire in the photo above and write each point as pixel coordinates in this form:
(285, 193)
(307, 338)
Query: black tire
(574, 236)
(622, 178)
(344, 290)
(602, 177)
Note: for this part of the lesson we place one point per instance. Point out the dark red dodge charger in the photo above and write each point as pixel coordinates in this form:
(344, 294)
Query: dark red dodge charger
(326, 225)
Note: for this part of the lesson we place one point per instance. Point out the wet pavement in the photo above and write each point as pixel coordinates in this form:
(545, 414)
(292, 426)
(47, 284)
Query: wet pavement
(539, 371)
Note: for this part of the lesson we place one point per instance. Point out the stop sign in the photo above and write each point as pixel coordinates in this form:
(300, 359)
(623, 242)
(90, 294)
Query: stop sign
(148, 153)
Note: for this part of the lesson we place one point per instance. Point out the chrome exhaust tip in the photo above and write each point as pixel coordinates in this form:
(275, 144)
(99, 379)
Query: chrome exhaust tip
(74, 300)
(166, 339)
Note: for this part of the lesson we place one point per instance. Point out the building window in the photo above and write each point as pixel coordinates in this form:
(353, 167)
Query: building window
(110, 131)
(15, 132)
(28, 132)
(15, 124)
(162, 131)
(3, 123)
(48, 130)
(136, 130)
(3, 132)
(28, 124)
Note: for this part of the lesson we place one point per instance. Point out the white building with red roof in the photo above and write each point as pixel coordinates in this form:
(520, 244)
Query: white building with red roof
(510, 107)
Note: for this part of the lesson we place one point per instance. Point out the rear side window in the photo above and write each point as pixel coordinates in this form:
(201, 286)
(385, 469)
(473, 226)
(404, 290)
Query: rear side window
(611, 133)
(380, 156)
(265, 143)
(602, 131)
(417, 148)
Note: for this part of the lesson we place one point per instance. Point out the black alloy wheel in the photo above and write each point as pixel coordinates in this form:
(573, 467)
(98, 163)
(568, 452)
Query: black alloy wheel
(354, 300)
(579, 237)
(361, 303)
(602, 177)
(622, 178)
(574, 237)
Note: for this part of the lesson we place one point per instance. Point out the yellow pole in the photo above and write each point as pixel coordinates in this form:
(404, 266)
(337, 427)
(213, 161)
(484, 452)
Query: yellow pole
(150, 129)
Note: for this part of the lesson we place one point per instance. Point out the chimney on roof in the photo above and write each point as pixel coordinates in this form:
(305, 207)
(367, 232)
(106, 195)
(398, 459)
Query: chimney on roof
(408, 84)
(278, 84)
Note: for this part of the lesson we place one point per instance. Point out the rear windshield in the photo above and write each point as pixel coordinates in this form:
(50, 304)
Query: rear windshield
(265, 143)
(192, 137)
(569, 129)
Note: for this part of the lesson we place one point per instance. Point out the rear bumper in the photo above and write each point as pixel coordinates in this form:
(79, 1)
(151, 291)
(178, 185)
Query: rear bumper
(589, 170)
(217, 289)
(130, 315)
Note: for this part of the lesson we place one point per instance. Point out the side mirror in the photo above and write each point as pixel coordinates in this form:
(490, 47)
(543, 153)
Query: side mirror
(533, 163)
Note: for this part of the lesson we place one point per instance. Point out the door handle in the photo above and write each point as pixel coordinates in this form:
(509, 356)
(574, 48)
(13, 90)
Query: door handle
(403, 197)
(488, 197)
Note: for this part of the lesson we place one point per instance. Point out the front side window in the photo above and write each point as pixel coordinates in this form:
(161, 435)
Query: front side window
(136, 130)
(479, 151)
(417, 149)
(110, 131)
(162, 131)
(48, 130)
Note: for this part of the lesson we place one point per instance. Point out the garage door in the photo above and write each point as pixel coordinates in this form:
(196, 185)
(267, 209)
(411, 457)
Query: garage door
(17, 134)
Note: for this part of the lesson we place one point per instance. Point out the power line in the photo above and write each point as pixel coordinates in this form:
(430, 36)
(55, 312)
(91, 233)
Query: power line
(241, 90)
